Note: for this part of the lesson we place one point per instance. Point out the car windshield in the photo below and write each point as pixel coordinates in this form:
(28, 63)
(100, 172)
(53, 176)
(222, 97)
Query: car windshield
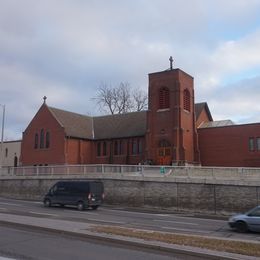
(251, 211)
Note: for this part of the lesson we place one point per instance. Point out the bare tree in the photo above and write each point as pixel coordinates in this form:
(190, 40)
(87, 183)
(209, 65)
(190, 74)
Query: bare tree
(124, 102)
(120, 99)
(140, 100)
(106, 98)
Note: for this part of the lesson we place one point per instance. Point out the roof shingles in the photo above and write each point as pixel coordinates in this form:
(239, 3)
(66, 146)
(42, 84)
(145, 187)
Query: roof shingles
(102, 127)
(75, 125)
(120, 125)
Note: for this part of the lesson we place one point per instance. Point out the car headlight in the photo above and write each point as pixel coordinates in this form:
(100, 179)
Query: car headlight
(232, 219)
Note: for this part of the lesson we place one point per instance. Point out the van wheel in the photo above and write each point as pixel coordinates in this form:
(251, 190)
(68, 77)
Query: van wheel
(80, 206)
(241, 226)
(47, 203)
(94, 207)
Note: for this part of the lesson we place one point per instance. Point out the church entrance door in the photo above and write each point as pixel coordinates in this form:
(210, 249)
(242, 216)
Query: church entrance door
(164, 153)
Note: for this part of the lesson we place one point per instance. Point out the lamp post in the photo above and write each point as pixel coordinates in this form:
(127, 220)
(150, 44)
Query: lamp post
(2, 134)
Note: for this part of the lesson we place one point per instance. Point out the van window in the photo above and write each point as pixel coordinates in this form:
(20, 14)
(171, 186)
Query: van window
(79, 187)
(96, 187)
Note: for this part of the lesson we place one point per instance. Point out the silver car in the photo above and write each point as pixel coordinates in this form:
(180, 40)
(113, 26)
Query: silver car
(247, 221)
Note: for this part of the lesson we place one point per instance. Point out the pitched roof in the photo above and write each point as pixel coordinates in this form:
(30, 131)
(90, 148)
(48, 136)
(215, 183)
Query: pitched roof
(199, 107)
(120, 125)
(101, 127)
(75, 125)
(217, 124)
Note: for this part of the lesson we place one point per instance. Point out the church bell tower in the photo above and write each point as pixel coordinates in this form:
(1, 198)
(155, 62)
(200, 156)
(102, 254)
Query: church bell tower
(171, 135)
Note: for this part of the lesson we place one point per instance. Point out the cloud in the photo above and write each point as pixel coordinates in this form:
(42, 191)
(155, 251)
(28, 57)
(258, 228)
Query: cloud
(65, 49)
(238, 102)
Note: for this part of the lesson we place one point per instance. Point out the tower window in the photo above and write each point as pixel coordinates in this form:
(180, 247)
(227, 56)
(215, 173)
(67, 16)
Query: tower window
(164, 98)
(186, 100)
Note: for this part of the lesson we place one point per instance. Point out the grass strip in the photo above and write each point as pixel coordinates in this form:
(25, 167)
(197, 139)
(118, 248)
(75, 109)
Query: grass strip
(230, 246)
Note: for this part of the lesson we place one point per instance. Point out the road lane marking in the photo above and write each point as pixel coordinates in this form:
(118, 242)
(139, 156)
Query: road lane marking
(166, 215)
(188, 230)
(176, 222)
(88, 213)
(106, 221)
(45, 214)
(10, 204)
(134, 212)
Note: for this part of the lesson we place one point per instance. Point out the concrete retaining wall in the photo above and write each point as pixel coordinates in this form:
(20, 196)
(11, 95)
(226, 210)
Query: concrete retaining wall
(185, 196)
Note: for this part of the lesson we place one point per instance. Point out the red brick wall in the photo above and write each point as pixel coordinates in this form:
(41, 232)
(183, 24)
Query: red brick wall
(52, 155)
(78, 151)
(228, 146)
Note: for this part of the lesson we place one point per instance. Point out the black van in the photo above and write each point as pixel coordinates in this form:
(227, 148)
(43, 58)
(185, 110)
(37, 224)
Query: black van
(82, 194)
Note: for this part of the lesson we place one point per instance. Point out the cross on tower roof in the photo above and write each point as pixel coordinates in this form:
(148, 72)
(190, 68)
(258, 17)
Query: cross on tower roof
(171, 61)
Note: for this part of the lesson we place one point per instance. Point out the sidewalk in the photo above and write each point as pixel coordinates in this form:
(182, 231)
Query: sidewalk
(83, 230)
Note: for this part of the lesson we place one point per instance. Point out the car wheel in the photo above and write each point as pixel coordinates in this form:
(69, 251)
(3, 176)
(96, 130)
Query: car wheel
(94, 207)
(47, 203)
(80, 206)
(241, 226)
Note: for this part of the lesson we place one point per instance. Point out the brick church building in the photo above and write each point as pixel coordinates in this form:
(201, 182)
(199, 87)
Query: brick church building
(173, 131)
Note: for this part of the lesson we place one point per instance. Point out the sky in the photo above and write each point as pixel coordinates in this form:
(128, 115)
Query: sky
(65, 50)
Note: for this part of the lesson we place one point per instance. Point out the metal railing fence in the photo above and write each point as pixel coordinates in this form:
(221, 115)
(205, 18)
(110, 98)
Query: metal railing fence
(102, 170)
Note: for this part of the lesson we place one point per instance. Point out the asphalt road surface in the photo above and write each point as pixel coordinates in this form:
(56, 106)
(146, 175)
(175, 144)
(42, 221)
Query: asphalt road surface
(31, 245)
(152, 220)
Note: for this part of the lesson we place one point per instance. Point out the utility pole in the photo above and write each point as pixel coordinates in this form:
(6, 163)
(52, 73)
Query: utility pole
(2, 135)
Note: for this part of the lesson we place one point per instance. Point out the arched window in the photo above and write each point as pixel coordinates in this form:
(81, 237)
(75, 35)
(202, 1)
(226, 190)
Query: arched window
(164, 98)
(164, 143)
(186, 100)
(15, 161)
(47, 142)
(42, 139)
(99, 149)
(36, 141)
(104, 148)
(115, 148)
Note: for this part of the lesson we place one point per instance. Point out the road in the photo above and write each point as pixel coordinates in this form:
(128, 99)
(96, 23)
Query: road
(31, 245)
(157, 221)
